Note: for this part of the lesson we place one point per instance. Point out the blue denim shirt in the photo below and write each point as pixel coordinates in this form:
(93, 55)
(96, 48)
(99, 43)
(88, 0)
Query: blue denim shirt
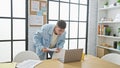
(42, 39)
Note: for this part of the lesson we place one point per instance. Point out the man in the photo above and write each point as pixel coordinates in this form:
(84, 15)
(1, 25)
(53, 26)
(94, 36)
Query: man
(50, 36)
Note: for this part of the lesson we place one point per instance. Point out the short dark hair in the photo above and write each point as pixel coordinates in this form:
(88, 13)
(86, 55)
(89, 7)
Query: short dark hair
(61, 24)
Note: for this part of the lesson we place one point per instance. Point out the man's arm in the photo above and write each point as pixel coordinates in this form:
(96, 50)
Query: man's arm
(38, 40)
(61, 42)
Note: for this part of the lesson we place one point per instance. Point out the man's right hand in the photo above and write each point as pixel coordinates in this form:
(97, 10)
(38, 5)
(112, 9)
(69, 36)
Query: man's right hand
(45, 50)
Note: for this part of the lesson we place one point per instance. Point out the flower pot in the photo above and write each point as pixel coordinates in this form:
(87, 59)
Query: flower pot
(105, 6)
(118, 4)
(118, 47)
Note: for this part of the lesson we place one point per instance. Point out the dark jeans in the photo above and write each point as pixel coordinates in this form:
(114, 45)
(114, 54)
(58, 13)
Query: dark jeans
(50, 53)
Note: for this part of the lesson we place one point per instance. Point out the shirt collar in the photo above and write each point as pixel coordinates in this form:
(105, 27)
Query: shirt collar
(51, 30)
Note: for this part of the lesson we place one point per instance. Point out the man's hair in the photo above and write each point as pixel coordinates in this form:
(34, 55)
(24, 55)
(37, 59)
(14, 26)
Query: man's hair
(61, 24)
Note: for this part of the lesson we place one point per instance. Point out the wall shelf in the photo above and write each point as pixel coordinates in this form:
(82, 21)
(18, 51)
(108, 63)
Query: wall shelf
(108, 8)
(108, 22)
(113, 37)
(113, 49)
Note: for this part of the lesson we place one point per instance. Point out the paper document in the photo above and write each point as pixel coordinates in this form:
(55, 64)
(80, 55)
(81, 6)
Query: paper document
(60, 55)
(28, 64)
(8, 65)
(35, 5)
(53, 49)
(36, 20)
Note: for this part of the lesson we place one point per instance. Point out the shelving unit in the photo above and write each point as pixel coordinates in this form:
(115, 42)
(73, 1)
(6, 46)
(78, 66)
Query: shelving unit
(109, 13)
(112, 37)
(109, 22)
(116, 50)
(110, 8)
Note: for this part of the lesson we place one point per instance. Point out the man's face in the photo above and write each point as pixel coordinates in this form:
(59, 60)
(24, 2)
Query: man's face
(58, 30)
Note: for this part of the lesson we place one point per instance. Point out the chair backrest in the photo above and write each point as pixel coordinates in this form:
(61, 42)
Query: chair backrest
(112, 57)
(25, 55)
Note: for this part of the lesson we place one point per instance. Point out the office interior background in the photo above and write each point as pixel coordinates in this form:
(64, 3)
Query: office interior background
(16, 35)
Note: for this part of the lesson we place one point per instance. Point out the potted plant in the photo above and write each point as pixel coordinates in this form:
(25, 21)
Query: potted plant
(107, 31)
(118, 2)
(118, 45)
(106, 5)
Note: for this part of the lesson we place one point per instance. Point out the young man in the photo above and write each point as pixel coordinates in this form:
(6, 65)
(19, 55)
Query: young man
(50, 36)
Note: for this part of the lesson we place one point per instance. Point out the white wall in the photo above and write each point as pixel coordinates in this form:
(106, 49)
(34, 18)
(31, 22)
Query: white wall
(92, 27)
(31, 31)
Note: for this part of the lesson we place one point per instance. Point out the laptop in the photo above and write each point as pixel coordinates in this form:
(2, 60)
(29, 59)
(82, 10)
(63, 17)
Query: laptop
(71, 55)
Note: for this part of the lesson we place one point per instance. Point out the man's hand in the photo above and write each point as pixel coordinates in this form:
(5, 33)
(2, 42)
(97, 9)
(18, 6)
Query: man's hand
(45, 50)
(58, 50)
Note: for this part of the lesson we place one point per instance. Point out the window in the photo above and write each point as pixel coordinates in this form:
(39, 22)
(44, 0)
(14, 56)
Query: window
(6, 10)
(74, 12)
(13, 29)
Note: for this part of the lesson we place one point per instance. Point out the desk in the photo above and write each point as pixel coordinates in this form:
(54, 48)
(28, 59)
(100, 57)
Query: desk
(8, 65)
(89, 62)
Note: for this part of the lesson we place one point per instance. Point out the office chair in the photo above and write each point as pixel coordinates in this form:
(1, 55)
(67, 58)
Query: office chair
(25, 55)
(112, 57)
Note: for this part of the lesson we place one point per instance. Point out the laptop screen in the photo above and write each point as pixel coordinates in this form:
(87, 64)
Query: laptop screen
(73, 55)
(68, 55)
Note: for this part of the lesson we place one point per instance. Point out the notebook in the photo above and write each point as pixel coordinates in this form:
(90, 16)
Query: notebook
(69, 55)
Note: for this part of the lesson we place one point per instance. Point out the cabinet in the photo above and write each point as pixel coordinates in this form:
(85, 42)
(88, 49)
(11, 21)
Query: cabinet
(108, 25)
(101, 51)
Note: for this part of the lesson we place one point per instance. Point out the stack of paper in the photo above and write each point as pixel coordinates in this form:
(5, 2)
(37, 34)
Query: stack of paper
(28, 64)
(53, 49)
(60, 55)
